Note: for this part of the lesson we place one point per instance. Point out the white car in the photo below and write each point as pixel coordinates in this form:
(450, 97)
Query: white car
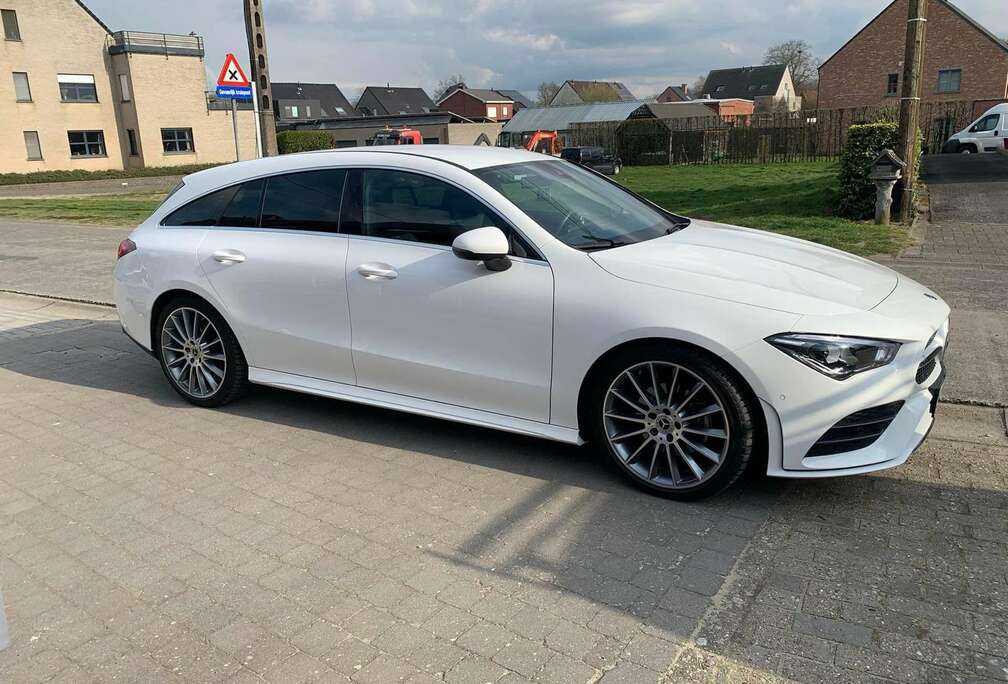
(986, 134)
(505, 289)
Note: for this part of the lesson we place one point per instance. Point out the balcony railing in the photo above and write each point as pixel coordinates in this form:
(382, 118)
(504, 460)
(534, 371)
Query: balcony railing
(155, 44)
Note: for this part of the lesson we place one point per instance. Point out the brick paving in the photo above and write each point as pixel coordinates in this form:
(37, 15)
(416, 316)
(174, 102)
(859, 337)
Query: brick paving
(290, 538)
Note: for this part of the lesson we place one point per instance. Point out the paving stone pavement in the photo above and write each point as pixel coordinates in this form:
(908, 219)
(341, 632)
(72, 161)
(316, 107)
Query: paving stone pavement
(291, 538)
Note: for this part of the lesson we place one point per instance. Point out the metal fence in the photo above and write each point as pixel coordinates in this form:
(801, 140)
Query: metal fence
(765, 137)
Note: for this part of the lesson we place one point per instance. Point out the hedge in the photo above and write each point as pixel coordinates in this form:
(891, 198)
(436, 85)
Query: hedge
(303, 141)
(81, 175)
(865, 143)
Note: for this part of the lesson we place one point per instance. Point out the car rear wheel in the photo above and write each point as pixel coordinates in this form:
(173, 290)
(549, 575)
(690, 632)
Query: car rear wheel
(674, 421)
(199, 353)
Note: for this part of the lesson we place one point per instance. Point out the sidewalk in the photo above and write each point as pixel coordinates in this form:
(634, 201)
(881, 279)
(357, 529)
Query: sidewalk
(107, 186)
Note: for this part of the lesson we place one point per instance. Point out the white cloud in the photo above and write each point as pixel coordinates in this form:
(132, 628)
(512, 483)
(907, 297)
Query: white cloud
(532, 41)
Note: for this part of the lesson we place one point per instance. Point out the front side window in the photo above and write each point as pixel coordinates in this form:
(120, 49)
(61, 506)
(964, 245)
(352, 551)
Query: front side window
(304, 201)
(988, 123)
(10, 24)
(892, 84)
(77, 88)
(177, 140)
(949, 80)
(32, 145)
(406, 206)
(22, 89)
(579, 207)
(86, 143)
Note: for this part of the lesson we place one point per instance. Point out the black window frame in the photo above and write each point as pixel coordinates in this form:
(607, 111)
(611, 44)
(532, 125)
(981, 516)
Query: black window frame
(892, 85)
(27, 82)
(176, 140)
(88, 143)
(352, 219)
(948, 91)
(9, 20)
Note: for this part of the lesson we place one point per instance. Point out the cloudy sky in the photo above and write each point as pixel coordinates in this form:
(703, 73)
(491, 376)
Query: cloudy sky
(647, 44)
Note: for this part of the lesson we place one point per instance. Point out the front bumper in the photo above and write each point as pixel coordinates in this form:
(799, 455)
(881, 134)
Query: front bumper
(804, 410)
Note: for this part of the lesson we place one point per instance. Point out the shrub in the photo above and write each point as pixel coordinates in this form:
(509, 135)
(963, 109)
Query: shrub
(864, 144)
(81, 175)
(289, 142)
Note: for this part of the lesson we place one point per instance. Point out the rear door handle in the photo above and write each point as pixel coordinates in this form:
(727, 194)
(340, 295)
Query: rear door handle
(228, 256)
(377, 271)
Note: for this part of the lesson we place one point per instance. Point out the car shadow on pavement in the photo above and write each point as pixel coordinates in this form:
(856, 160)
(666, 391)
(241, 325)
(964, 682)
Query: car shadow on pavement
(545, 542)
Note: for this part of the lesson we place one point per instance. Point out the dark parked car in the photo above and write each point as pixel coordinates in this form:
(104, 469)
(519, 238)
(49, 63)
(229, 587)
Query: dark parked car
(594, 158)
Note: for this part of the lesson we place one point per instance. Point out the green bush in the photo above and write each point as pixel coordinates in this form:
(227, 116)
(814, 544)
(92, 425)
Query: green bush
(303, 141)
(864, 144)
(81, 175)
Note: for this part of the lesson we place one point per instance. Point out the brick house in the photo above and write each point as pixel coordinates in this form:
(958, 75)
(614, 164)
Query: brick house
(962, 61)
(585, 92)
(678, 93)
(475, 103)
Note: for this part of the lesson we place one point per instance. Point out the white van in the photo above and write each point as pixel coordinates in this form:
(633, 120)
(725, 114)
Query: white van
(986, 134)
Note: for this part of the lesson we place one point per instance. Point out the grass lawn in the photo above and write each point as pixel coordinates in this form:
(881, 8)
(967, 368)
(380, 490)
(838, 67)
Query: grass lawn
(113, 210)
(791, 198)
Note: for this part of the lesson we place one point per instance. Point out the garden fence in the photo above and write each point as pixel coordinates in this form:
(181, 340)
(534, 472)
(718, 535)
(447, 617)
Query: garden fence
(765, 137)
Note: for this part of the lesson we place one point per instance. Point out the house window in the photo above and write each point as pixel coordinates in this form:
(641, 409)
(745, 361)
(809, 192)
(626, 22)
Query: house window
(131, 137)
(892, 85)
(307, 111)
(346, 143)
(32, 145)
(86, 143)
(491, 111)
(10, 25)
(431, 141)
(949, 80)
(77, 88)
(124, 88)
(22, 91)
(177, 140)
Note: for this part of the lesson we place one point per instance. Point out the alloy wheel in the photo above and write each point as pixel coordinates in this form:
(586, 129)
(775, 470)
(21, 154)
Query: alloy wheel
(666, 424)
(193, 352)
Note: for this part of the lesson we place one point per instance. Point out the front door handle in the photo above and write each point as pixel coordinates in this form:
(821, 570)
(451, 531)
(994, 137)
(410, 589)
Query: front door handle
(228, 256)
(377, 271)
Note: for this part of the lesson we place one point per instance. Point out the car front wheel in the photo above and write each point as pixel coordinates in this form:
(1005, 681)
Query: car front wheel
(199, 353)
(674, 421)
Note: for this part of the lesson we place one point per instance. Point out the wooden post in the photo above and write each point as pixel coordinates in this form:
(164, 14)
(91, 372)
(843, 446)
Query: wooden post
(910, 103)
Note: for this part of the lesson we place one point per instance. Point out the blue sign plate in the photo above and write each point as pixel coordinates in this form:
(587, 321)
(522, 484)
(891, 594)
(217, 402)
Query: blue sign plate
(234, 92)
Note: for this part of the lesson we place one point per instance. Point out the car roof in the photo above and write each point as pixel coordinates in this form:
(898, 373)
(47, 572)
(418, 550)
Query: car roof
(466, 156)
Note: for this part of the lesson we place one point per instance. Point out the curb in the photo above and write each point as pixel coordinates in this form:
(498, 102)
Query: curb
(4, 634)
(58, 298)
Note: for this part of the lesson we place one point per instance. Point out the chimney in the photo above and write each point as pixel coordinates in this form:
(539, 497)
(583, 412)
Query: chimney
(685, 88)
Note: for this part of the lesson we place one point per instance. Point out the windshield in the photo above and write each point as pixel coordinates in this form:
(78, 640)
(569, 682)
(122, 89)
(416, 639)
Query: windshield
(579, 207)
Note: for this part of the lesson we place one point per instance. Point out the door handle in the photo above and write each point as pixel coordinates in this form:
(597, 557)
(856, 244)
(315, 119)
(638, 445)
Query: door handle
(229, 256)
(377, 271)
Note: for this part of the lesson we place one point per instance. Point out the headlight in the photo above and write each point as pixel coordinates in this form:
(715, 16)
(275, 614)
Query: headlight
(836, 356)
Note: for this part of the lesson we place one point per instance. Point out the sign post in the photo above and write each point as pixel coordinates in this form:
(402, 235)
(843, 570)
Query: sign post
(233, 84)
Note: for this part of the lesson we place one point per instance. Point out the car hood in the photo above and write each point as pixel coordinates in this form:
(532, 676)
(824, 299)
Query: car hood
(753, 267)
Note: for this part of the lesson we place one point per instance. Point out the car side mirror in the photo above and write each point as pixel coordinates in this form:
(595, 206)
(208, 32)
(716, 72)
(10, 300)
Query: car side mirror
(488, 244)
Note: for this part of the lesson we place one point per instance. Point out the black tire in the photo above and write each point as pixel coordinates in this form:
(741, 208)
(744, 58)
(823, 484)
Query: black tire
(967, 149)
(739, 411)
(235, 380)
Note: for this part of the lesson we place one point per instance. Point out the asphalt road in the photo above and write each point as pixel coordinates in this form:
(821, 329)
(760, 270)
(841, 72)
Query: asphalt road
(967, 188)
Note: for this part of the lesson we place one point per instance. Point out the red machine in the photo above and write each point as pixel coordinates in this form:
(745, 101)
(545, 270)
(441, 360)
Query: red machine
(396, 136)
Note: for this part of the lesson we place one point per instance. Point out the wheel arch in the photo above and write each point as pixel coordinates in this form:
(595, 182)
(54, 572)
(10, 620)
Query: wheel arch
(167, 296)
(591, 376)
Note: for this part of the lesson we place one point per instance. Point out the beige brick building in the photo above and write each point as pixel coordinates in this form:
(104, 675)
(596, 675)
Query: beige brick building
(962, 61)
(75, 95)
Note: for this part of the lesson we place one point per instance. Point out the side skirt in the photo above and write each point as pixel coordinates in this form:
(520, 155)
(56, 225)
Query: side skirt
(423, 407)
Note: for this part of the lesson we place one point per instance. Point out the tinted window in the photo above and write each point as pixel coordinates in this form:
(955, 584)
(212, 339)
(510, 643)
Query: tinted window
(306, 201)
(243, 209)
(415, 208)
(202, 212)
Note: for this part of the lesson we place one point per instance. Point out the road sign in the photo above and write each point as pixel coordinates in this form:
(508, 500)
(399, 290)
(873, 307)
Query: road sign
(232, 82)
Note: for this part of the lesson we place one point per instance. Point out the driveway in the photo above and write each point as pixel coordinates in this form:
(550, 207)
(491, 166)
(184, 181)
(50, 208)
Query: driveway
(292, 538)
(967, 188)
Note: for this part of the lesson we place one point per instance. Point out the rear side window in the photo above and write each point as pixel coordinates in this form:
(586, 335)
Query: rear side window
(204, 211)
(305, 201)
(243, 209)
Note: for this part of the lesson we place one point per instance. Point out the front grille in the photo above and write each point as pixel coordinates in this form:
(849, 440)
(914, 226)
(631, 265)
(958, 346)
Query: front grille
(927, 366)
(856, 431)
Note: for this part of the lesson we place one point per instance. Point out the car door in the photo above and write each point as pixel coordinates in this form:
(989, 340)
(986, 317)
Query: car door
(430, 325)
(987, 133)
(278, 265)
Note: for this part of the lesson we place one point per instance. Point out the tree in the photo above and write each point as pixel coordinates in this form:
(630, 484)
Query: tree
(446, 84)
(797, 54)
(547, 89)
(696, 88)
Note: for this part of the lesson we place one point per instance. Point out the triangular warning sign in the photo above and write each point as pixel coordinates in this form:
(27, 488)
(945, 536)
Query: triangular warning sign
(232, 74)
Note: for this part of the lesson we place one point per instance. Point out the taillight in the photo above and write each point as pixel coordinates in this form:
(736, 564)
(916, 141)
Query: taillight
(125, 247)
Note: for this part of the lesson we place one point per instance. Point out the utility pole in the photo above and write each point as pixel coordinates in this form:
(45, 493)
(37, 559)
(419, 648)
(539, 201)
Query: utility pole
(910, 102)
(255, 29)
